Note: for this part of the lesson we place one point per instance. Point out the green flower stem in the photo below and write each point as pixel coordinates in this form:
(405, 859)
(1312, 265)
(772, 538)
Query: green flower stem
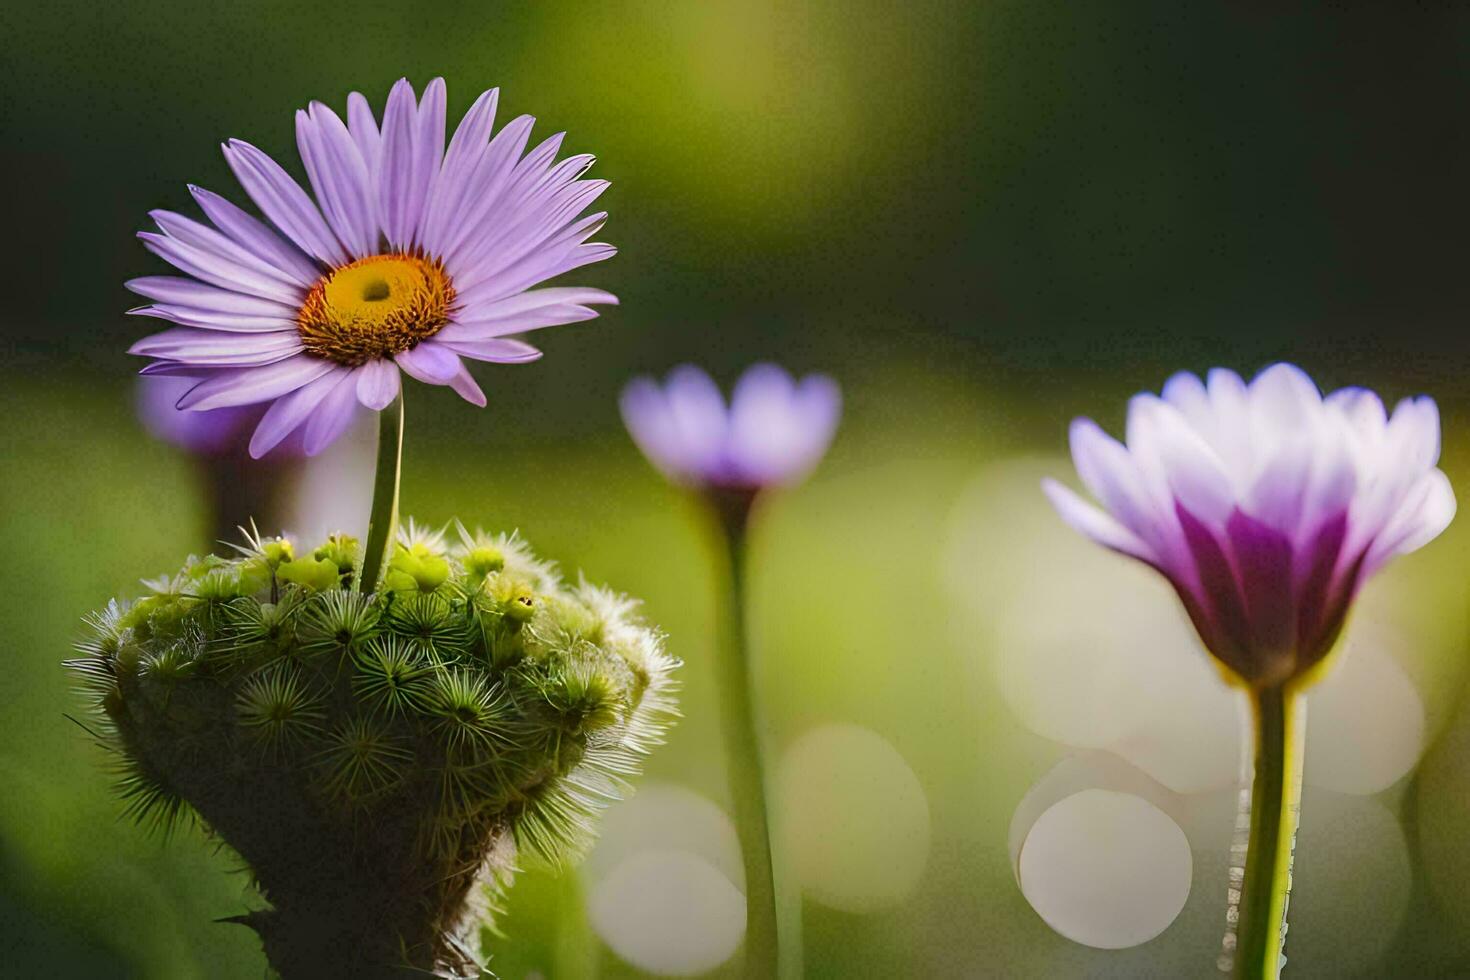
(384, 520)
(1279, 714)
(772, 905)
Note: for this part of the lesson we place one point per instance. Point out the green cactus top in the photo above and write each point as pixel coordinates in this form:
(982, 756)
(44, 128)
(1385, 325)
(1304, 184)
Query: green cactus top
(374, 756)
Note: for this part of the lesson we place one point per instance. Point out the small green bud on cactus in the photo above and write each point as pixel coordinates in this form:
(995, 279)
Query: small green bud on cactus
(481, 562)
(313, 574)
(277, 551)
(341, 550)
(379, 760)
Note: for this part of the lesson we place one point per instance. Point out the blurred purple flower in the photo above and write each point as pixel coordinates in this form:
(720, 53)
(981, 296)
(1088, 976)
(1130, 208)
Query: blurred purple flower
(222, 432)
(410, 258)
(774, 431)
(1265, 505)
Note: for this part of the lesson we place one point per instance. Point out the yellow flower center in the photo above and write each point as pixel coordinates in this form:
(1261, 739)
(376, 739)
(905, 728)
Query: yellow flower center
(375, 307)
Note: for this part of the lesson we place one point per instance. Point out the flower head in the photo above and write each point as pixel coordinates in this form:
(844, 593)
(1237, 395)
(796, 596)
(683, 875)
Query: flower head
(406, 256)
(773, 431)
(1265, 505)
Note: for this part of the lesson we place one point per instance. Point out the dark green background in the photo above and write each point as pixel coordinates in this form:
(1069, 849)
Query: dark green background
(983, 218)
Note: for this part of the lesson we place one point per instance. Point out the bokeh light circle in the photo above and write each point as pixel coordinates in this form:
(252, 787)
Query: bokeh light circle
(1106, 869)
(669, 913)
(660, 882)
(855, 816)
(1365, 722)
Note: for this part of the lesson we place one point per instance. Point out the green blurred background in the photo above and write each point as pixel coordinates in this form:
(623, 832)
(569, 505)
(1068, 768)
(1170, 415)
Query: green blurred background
(982, 218)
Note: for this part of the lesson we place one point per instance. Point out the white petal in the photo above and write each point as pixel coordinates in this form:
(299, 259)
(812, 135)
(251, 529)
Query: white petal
(1089, 520)
(1110, 475)
(1195, 473)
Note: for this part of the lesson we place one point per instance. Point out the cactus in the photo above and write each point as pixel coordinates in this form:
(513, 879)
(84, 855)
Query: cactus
(379, 760)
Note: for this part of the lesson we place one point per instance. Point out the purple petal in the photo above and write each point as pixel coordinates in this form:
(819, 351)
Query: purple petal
(465, 386)
(536, 299)
(533, 225)
(245, 386)
(283, 201)
(377, 384)
(402, 186)
(1263, 563)
(253, 234)
(173, 369)
(429, 362)
(1331, 484)
(216, 348)
(333, 414)
(697, 412)
(543, 265)
(646, 414)
(363, 128)
(215, 243)
(466, 149)
(210, 320)
(498, 351)
(428, 150)
(339, 178)
(1218, 610)
(1186, 392)
(491, 178)
(220, 272)
(292, 410)
(196, 295)
(549, 316)
(1315, 565)
(1413, 433)
(768, 441)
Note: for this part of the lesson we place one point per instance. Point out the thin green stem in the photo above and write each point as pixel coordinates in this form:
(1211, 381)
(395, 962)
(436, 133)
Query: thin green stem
(772, 904)
(1279, 715)
(383, 522)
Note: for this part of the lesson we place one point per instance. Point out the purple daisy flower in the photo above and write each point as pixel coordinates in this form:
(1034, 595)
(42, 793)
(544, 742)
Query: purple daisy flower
(1265, 505)
(412, 257)
(774, 430)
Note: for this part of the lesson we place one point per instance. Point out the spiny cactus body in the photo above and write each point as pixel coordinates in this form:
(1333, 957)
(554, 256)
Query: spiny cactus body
(378, 759)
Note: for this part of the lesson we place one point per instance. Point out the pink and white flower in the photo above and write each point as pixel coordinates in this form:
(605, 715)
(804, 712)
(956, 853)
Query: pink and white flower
(1265, 505)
